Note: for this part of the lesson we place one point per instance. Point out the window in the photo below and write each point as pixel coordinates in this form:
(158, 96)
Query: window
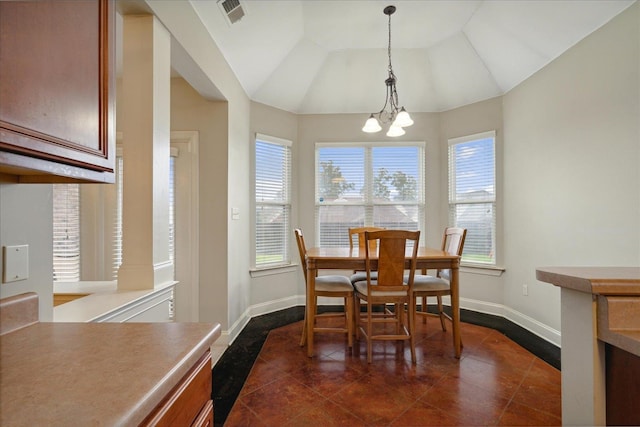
(66, 232)
(273, 201)
(472, 194)
(66, 225)
(367, 185)
(117, 224)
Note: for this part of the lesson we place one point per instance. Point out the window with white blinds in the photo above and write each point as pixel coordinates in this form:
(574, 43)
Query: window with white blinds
(117, 224)
(472, 194)
(273, 201)
(358, 185)
(66, 232)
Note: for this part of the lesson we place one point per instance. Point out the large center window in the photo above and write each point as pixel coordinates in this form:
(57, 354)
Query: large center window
(372, 184)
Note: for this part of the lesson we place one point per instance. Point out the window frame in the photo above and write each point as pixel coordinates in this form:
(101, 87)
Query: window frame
(452, 178)
(286, 203)
(368, 201)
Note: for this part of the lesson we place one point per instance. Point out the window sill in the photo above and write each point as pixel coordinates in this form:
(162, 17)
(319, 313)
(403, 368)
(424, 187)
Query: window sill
(269, 271)
(486, 270)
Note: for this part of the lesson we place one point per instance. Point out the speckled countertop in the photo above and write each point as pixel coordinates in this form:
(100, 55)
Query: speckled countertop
(100, 374)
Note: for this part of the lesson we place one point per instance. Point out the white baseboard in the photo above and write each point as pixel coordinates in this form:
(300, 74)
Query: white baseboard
(532, 325)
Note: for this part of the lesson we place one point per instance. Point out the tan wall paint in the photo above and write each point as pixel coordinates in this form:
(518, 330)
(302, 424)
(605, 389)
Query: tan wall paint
(571, 165)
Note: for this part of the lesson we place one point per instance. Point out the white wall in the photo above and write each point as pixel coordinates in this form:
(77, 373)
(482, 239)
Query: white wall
(231, 178)
(571, 165)
(25, 219)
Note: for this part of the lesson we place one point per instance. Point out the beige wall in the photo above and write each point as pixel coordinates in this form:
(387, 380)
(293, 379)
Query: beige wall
(348, 128)
(229, 305)
(480, 289)
(571, 165)
(568, 155)
(190, 111)
(285, 287)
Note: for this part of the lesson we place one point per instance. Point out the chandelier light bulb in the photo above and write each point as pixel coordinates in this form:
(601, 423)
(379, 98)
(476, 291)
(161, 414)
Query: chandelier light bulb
(395, 131)
(372, 125)
(404, 119)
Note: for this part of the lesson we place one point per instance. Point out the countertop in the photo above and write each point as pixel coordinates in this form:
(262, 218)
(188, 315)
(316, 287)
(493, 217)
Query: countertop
(593, 280)
(94, 373)
(617, 292)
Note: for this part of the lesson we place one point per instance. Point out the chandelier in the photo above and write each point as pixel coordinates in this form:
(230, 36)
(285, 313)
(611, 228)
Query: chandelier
(397, 117)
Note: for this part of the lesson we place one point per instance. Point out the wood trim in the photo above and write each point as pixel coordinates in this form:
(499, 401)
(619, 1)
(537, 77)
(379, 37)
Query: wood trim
(183, 405)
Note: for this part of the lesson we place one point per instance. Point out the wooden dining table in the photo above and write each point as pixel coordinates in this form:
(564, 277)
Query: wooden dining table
(354, 259)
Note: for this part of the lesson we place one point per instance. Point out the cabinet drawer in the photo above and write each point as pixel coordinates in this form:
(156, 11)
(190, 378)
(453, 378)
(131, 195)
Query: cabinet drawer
(183, 405)
(205, 419)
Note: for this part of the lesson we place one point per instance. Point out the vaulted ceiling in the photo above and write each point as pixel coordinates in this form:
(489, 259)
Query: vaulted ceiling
(312, 56)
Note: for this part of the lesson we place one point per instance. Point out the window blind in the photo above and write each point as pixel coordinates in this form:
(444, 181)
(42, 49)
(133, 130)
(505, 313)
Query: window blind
(472, 195)
(367, 185)
(66, 232)
(117, 224)
(273, 200)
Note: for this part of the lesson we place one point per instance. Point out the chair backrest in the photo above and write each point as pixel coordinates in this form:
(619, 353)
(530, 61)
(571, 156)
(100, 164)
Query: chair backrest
(357, 233)
(302, 250)
(453, 243)
(391, 257)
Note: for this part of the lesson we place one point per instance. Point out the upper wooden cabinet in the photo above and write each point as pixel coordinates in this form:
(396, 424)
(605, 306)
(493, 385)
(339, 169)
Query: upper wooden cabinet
(57, 90)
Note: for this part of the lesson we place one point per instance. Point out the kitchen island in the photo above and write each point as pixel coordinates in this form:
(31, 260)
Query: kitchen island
(123, 374)
(600, 325)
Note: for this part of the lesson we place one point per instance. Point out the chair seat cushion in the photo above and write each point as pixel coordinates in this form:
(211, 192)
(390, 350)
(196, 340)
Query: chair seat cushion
(422, 283)
(361, 287)
(333, 283)
(362, 275)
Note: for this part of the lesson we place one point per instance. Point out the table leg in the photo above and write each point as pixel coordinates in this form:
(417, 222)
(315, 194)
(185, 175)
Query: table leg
(310, 308)
(455, 308)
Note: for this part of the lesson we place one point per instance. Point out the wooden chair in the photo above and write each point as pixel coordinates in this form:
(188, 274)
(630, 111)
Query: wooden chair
(326, 286)
(357, 234)
(388, 288)
(425, 286)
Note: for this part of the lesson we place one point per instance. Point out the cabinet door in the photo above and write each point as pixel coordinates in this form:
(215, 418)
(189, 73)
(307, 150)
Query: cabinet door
(56, 87)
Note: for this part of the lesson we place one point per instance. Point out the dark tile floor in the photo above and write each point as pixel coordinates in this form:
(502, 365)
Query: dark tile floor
(496, 381)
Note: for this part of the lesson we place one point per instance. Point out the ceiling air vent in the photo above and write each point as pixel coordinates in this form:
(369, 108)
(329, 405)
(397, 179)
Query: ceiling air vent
(232, 10)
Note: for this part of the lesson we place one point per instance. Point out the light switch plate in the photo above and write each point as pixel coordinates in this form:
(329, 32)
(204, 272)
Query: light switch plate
(15, 261)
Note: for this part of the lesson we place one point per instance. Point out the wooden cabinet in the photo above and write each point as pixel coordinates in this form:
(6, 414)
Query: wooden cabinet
(57, 90)
(189, 403)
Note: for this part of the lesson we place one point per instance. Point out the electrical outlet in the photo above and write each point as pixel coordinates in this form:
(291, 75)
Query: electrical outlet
(525, 290)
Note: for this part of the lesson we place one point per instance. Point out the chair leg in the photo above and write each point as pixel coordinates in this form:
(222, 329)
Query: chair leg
(356, 317)
(424, 309)
(349, 319)
(303, 338)
(411, 315)
(369, 333)
(399, 318)
(311, 313)
(441, 313)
